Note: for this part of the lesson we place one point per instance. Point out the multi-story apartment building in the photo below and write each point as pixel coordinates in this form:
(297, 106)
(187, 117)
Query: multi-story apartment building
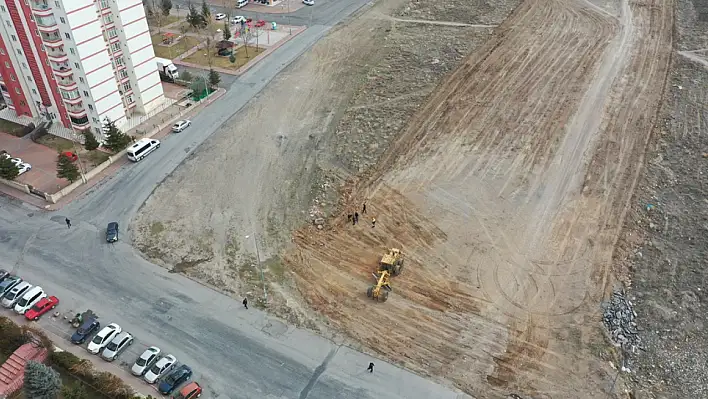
(77, 61)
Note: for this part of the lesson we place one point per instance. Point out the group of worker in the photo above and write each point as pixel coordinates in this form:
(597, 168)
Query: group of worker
(354, 218)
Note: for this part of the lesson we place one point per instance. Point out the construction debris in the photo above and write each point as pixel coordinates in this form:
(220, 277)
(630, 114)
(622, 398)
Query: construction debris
(619, 318)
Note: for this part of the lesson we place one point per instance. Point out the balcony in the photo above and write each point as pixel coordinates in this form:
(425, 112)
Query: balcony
(46, 24)
(83, 121)
(70, 96)
(66, 83)
(40, 8)
(61, 69)
(57, 54)
(51, 39)
(76, 110)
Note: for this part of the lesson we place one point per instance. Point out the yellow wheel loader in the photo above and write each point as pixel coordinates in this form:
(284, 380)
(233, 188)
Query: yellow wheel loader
(380, 291)
(392, 261)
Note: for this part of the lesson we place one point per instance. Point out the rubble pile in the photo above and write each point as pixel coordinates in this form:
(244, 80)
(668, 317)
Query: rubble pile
(618, 318)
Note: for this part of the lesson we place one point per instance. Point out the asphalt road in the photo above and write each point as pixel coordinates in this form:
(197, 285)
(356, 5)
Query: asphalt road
(236, 353)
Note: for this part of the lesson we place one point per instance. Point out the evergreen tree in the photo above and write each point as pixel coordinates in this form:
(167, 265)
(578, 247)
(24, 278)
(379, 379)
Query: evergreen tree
(166, 6)
(214, 78)
(41, 381)
(194, 19)
(8, 170)
(232, 58)
(227, 30)
(115, 139)
(67, 169)
(90, 142)
(206, 13)
(74, 391)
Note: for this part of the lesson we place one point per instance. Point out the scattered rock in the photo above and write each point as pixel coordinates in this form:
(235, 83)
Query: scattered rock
(618, 318)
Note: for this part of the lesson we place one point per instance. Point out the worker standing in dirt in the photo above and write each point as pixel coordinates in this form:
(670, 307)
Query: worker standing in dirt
(363, 209)
(356, 217)
(370, 369)
(349, 217)
(245, 303)
(373, 222)
(68, 222)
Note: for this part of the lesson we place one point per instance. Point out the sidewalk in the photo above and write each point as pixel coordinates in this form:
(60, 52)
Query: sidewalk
(162, 132)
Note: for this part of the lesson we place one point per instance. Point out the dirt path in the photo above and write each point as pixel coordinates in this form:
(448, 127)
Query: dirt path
(507, 191)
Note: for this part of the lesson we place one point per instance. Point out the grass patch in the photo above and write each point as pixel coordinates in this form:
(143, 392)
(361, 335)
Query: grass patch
(223, 62)
(96, 157)
(57, 143)
(276, 269)
(174, 51)
(160, 21)
(12, 128)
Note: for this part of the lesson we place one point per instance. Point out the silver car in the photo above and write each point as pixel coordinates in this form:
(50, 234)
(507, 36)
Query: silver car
(145, 361)
(117, 345)
(15, 294)
(160, 368)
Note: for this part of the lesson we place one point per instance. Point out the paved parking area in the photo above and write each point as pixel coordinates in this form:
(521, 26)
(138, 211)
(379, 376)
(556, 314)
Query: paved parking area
(43, 175)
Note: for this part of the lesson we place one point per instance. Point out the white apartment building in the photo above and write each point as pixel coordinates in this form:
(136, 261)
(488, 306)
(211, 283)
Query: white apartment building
(78, 61)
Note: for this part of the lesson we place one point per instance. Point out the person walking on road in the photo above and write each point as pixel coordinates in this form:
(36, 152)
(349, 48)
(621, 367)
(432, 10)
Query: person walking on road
(68, 223)
(356, 217)
(363, 209)
(371, 367)
(245, 303)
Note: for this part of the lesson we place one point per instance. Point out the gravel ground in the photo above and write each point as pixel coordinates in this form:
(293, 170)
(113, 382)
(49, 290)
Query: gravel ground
(664, 251)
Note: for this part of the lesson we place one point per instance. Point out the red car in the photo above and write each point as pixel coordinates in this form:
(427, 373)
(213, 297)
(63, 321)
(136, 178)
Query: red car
(70, 155)
(260, 23)
(43, 306)
(189, 391)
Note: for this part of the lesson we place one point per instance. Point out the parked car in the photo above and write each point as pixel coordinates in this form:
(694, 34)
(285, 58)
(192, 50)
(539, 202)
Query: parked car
(239, 19)
(160, 368)
(219, 16)
(181, 125)
(260, 23)
(4, 274)
(117, 345)
(145, 361)
(189, 391)
(172, 380)
(308, 2)
(42, 307)
(112, 232)
(31, 297)
(8, 284)
(72, 157)
(87, 328)
(23, 167)
(103, 338)
(15, 294)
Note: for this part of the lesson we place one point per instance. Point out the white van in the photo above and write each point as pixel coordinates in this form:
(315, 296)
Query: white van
(15, 294)
(241, 3)
(142, 148)
(29, 299)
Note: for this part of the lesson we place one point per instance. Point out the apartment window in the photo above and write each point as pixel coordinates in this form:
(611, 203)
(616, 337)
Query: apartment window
(95, 120)
(86, 93)
(77, 65)
(2, 51)
(90, 107)
(3, 9)
(130, 99)
(115, 46)
(42, 47)
(19, 52)
(126, 86)
(7, 64)
(57, 4)
(71, 50)
(8, 23)
(119, 61)
(12, 77)
(112, 33)
(104, 4)
(123, 74)
(108, 19)
(68, 36)
(31, 16)
(34, 92)
(23, 103)
(17, 90)
(25, 65)
(29, 78)
(62, 20)
(97, 130)
(81, 79)
(14, 39)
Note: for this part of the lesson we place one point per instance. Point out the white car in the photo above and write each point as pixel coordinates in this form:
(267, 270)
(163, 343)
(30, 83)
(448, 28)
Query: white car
(239, 19)
(181, 125)
(103, 338)
(219, 16)
(31, 297)
(308, 2)
(145, 361)
(24, 167)
(160, 368)
(16, 161)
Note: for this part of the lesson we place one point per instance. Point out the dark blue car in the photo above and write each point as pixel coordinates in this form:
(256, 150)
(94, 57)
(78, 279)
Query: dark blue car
(174, 379)
(87, 328)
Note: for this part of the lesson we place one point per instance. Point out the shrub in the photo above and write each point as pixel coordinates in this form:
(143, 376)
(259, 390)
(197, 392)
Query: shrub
(12, 336)
(41, 381)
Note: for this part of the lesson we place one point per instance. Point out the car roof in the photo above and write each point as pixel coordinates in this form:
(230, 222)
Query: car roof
(120, 336)
(113, 224)
(88, 322)
(43, 301)
(188, 388)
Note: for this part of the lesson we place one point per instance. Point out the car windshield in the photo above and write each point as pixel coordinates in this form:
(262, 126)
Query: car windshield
(37, 307)
(23, 302)
(155, 369)
(97, 339)
(11, 295)
(170, 379)
(141, 362)
(112, 346)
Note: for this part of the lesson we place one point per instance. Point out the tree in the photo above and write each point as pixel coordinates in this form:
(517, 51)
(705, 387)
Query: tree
(115, 139)
(74, 391)
(246, 35)
(66, 169)
(227, 30)
(166, 6)
(232, 58)
(206, 13)
(8, 170)
(148, 9)
(214, 78)
(194, 19)
(186, 76)
(90, 142)
(198, 87)
(41, 381)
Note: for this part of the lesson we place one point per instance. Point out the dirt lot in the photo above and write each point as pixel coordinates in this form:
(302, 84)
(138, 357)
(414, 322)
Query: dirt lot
(507, 186)
(664, 249)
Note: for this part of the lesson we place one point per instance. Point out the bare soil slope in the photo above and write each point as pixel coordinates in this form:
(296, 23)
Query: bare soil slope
(507, 191)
